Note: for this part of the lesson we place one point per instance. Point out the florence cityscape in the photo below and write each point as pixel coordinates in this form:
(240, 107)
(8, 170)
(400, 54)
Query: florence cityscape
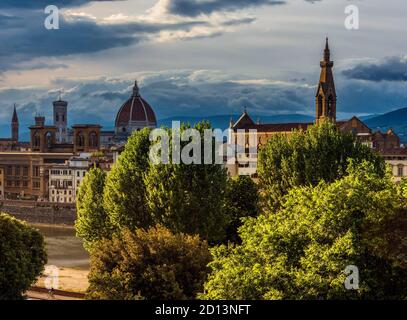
(173, 151)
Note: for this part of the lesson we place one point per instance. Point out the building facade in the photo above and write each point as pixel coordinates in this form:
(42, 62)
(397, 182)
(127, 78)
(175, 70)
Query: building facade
(248, 136)
(65, 179)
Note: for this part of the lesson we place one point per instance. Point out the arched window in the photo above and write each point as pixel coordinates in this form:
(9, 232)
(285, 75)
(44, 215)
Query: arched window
(319, 106)
(93, 140)
(80, 139)
(330, 106)
(36, 139)
(48, 139)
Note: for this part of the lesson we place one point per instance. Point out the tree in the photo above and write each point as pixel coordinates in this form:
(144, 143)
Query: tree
(302, 250)
(93, 222)
(22, 257)
(152, 264)
(124, 195)
(188, 198)
(306, 158)
(241, 201)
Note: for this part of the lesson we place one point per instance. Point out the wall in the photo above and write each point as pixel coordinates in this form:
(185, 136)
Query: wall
(34, 212)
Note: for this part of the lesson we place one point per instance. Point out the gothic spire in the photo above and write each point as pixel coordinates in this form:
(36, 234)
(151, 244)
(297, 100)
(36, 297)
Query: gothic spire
(327, 52)
(15, 117)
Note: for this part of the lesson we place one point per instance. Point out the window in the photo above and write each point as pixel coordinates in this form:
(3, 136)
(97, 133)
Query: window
(25, 171)
(83, 173)
(48, 139)
(78, 174)
(36, 171)
(17, 183)
(17, 170)
(36, 184)
(36, 139)
(400, 171)
(93, 140)
(9, 170)
(25, 184)
(9, 183)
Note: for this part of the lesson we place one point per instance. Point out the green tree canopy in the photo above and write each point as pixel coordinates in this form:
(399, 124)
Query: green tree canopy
(306, 158)
(241, 201)
(188, 197)
(124, 195)
(301, 251)
(152, 264)
(22, 257)
(92, 222)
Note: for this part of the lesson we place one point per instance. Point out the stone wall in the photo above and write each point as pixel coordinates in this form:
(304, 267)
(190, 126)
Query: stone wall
(35, 212)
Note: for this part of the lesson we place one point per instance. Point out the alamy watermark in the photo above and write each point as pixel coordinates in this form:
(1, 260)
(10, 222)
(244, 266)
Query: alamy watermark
(352, 280)
(352, 19)
(52, 20)
(191, 146)
(51, 274)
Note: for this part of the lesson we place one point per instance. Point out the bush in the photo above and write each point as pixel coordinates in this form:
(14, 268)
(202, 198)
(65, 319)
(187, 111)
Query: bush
(22, 257)
(153, 264)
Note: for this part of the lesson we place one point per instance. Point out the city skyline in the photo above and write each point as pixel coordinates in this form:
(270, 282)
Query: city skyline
(200, 61)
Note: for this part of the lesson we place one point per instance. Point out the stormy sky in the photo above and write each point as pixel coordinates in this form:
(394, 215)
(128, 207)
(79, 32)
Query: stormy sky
(199, 57)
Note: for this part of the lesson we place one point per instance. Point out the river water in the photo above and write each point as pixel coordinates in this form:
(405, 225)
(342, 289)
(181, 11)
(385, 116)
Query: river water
(64, 249)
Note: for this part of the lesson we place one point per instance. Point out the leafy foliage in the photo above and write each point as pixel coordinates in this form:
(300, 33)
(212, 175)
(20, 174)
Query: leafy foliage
(188, 198)
(241, 201)
(22, 257)
(153, 264)
(306, 158)
(93, 222)
(301, 250)
(124, 195)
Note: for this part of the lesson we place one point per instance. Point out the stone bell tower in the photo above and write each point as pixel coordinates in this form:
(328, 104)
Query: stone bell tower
(61, 119)
(326, 93)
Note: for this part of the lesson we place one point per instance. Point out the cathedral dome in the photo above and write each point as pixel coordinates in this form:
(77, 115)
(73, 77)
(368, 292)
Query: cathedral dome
(135, 114)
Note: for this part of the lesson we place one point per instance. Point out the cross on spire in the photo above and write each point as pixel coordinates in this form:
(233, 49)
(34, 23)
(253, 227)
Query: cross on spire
(327, 51)
(136, 89)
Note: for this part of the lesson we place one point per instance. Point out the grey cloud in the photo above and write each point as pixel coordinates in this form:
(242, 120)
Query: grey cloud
(41, 4)
(389, 69)
(28, 39)
(193, 8)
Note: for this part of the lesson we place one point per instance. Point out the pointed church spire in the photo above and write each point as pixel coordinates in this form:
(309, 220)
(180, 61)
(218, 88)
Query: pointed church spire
(14, 125)
(326, 94)
(327, 52)
(15, 117)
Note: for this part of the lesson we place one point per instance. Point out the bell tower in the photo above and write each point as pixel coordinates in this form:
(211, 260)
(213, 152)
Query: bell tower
(14, 125)
(60, 119)
(326, 93)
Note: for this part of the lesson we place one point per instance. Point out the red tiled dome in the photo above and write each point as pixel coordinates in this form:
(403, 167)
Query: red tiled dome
(135, 113)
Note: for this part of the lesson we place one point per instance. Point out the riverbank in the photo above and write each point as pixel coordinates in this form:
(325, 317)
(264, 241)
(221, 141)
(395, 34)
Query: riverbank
(66, 252)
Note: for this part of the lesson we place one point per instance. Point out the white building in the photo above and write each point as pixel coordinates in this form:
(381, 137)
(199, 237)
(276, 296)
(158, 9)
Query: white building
(65, 179)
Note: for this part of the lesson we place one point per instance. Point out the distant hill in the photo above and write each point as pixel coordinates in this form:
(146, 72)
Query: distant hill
(396, 120)
(222, 121)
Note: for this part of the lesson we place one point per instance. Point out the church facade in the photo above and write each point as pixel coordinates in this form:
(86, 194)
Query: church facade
(250, 136)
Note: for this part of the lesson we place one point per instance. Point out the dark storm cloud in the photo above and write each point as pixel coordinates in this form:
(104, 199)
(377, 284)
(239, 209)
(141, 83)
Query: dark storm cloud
(28, 39)
(41, 4)
(193, 8)
(389, 69)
